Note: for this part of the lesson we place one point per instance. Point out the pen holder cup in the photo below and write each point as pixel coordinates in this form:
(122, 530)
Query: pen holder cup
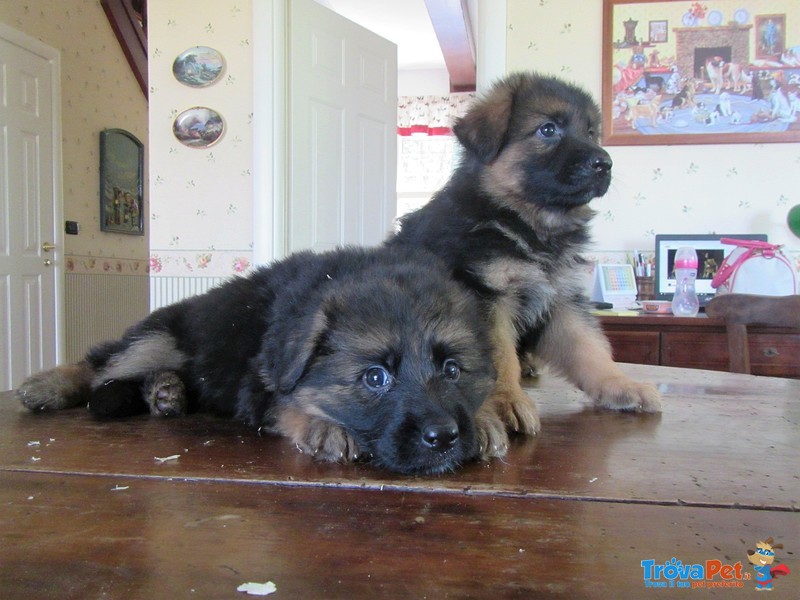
(645, 287)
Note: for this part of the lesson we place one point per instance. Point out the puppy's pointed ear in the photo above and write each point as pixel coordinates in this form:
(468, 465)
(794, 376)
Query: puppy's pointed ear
(297, 350)
(484, 129)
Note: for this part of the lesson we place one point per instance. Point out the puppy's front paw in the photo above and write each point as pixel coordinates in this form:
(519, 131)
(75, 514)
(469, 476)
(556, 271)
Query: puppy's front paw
(329, 442)
(491, 433)
(165, 395)
(57, 388)
(517, 410)
(621, 393)
(503, 411)
(322, 439)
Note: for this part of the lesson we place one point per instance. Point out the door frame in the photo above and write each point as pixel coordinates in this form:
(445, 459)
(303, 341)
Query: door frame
(270, 90)
(53, 57)
(270, 147)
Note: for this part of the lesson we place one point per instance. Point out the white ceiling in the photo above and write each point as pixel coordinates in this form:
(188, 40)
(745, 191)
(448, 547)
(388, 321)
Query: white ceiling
(404, 22)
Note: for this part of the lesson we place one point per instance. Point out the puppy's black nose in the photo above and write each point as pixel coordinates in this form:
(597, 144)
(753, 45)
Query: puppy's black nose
(601, 163)
(440, 436)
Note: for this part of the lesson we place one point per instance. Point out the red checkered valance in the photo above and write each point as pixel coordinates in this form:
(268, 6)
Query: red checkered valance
(430, 115)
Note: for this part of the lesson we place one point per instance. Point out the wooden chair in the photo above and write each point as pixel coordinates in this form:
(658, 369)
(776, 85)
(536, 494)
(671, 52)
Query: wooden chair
(740, 310)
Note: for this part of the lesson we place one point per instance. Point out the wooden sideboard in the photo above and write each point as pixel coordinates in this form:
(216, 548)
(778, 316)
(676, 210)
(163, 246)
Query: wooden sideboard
(699, 343)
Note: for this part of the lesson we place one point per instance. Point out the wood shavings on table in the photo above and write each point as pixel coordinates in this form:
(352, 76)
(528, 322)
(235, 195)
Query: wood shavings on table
(164, 459)
(258, 589)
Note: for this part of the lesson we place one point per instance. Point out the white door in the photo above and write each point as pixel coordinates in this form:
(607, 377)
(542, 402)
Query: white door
(342, 152)
(31, 253)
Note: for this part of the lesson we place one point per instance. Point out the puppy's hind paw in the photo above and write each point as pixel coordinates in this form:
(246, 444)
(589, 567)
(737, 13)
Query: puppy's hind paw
(56, 389)
(621, 393)
(165, 394)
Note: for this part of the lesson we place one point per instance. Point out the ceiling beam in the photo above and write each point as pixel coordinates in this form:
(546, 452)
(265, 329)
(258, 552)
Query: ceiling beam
(450, 21)
(128, 19)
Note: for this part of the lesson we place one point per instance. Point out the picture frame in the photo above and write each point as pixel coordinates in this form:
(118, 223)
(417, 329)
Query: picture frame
(659, 31)
(770, 36)
(121, 182)
(710, 254)
(720, 76)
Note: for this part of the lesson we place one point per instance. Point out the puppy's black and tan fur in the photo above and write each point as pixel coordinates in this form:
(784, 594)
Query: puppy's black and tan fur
(353, 353)
(511, 224)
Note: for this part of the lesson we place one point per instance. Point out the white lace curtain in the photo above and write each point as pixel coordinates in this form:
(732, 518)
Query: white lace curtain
(430, 115)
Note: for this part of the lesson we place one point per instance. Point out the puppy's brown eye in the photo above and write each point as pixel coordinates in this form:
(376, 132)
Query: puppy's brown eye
(548, 130)
(377, 378)
(450, 370)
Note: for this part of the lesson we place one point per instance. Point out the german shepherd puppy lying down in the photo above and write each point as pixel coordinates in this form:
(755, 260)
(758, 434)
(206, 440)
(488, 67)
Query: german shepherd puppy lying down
(511, 224)
(353, 354)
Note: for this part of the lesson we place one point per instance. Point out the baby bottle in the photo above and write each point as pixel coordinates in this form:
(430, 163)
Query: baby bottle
(685, 302)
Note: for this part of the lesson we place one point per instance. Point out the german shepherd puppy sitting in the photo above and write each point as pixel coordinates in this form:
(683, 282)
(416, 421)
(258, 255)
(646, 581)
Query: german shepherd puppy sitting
(353, 354)
(511, 225)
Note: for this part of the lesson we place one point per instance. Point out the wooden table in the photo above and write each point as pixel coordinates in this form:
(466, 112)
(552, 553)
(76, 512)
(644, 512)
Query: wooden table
(86, 511)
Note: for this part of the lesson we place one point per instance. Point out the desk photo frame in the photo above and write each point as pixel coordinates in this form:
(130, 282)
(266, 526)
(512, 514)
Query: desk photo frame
(710, 254)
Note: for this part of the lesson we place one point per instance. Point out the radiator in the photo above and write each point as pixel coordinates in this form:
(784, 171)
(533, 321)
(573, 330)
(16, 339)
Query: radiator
(168, 290)
(101, 307)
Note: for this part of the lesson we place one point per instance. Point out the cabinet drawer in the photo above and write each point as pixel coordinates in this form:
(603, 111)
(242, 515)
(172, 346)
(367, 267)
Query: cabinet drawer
(688, 349)
(774, 354)
(640, 347)
(777, 355)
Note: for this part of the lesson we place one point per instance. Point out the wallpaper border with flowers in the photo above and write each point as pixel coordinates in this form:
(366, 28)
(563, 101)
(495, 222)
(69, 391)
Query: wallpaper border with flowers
(200, 262)
(102, 265)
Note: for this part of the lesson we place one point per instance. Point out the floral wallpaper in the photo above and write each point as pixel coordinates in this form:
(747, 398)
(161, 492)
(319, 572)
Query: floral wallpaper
(200, 200)
(730, 188)
(201, 203)
(98, 91)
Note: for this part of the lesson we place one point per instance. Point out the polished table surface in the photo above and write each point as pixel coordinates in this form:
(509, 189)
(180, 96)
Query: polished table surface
(88, 509)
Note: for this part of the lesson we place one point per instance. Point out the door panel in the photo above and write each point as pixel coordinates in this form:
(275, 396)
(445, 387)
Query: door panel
(342, 124)
(29, 274)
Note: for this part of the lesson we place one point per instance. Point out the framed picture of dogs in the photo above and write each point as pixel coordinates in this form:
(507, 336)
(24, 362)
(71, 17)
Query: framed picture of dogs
(121, 182)
(679, 72)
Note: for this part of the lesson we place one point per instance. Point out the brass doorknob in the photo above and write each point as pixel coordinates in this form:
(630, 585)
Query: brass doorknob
(47, 262)
(47, 246)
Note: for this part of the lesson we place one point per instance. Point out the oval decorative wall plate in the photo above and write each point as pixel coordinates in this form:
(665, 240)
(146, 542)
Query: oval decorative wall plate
(714, 18)
(198, 127)
(198, 67)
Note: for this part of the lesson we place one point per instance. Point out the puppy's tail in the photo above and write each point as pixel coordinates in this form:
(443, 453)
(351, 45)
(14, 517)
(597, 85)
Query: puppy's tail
(62, 387)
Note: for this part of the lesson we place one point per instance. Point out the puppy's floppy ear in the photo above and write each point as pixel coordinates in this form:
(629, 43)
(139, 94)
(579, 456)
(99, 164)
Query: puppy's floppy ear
(294, 352)
(483, 130)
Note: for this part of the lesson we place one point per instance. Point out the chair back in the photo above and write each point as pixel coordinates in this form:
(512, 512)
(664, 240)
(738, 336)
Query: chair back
(742, 310)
